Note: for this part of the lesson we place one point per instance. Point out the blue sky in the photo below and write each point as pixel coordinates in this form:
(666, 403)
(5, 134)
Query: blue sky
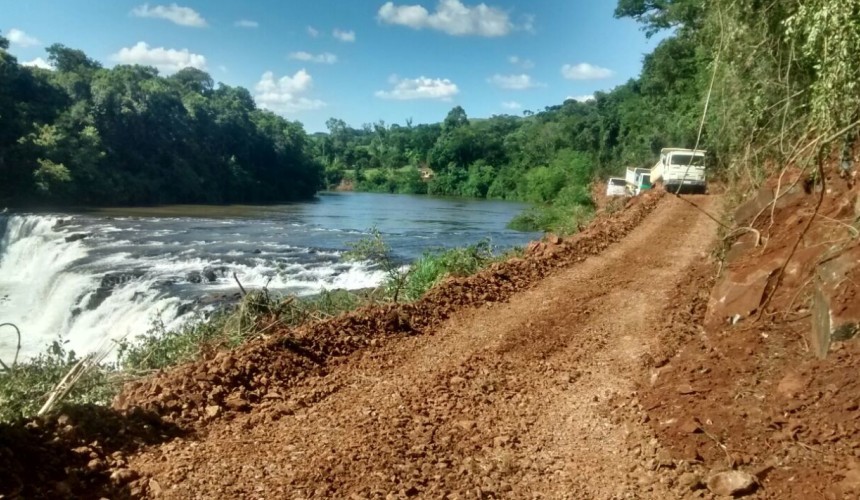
(358, 60)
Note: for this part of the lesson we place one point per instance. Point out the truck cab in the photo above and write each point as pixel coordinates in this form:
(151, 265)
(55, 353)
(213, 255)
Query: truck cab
(616, 186)
(643, 182)
(681, 170)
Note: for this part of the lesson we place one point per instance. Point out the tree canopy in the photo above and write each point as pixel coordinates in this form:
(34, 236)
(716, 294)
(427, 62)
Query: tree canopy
(84, 134)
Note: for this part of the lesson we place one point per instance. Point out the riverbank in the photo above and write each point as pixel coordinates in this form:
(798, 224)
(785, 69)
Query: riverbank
(254, 312)
(269, 364)
(109, 273)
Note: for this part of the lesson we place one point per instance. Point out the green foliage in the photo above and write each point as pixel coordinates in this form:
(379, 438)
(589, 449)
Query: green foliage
(657, 15)
(827, 34)
(558, 219)
(161, 348)
(83, 134)
(25, 388)
(375, 249)
(406, 180)
(433, 267)
(50, 177)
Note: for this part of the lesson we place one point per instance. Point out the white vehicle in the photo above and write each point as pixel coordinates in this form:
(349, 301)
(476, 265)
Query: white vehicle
(681, 170)
(616, 186)
(638, 179)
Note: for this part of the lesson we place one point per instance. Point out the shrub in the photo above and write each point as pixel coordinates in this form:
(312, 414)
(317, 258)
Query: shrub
(432, 267)
(25, 387)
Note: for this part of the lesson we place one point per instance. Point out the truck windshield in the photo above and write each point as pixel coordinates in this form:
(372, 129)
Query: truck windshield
(684, 160)
(617, 182)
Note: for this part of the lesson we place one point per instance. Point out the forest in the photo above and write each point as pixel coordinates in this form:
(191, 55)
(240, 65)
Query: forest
(531, 157)
(747, 80)
(757, 84)
(85, 135)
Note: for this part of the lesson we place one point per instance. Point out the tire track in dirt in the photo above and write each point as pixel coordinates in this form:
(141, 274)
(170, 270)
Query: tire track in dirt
(507, 400)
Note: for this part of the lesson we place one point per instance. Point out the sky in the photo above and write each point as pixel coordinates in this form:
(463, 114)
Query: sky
(358, 60)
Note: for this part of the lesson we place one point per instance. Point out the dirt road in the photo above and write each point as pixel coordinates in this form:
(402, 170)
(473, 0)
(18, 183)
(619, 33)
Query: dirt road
(506, 400)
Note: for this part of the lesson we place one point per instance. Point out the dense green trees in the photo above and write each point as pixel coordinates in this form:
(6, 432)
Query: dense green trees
(83, 134)
(773, 75)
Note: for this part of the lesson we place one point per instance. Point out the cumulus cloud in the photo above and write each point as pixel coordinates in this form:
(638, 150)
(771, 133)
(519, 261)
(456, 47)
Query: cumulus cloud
(165, 60)
(406, 89)
(21, 39)
(581, 98)
(521, 62)
(313, 32)
(286, 95)
(38, 63)
(514, 82)
(451, 17)
(183, 16)
(324, 58)
(513, 105)
(246, 23)
(344, 36)
(585, 71)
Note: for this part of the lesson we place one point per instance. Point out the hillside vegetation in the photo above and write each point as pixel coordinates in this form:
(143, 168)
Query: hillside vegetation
(84, 134)
(768, 78)
(772, 76)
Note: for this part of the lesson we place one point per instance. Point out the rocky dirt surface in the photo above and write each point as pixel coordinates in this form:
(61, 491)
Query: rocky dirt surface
(776, 394)
(601, 366)
(515, 399)
(263, 371)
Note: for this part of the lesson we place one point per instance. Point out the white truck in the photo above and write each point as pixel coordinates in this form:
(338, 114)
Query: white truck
(638, 179)
(616, 186)
(681, 170)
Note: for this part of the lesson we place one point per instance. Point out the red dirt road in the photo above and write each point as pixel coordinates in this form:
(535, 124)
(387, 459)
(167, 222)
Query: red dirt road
(510, 400)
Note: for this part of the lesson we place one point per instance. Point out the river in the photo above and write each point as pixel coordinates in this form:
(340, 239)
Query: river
(92, 276)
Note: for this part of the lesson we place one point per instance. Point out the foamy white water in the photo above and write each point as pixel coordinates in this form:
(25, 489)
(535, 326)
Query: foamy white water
(49, 287)
(90, 278)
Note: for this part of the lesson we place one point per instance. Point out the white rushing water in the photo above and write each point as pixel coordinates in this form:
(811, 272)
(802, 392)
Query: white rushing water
(95, 276)
(120, 278)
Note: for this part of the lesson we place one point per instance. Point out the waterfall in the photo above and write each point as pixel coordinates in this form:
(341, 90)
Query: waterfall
(45, 288)
(90, 280)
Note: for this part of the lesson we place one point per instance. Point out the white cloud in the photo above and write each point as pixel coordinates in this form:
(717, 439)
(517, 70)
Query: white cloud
(451, 17)
(324, 58)
(166, 60)
(246, 23)
(344, 36)
(581, 98)
(21, 39)
(183, 16)
(286, 95)
(223, 68)
(528, 24)
(521, 62)
(419, 88)
(512, 105)
(38, 63)
(313, 32)
(514, 82)
(585, 71)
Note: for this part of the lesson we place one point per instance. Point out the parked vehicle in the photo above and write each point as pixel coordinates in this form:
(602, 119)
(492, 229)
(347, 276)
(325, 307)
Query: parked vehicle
(616, 186)
(638, 179)
(643, 182)
(681, 170)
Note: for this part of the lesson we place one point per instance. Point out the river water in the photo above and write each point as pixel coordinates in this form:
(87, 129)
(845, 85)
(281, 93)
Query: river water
(92, 276)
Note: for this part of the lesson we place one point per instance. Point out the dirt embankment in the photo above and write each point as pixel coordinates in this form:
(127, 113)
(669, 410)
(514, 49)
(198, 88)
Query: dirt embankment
(77, 456)
(262, 372)
(603, 366)
(499, 399)
(777, 392)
